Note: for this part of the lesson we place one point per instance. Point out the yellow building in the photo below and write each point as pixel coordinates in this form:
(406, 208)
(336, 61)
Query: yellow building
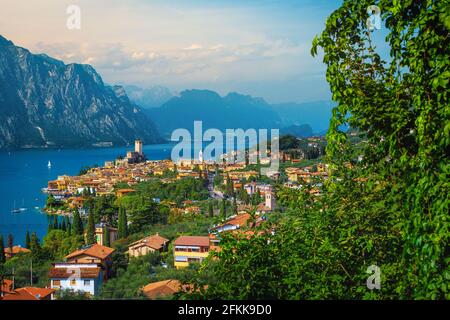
(188, 249)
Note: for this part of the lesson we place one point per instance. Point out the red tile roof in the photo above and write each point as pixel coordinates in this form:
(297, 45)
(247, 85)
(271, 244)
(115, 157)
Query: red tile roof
(156, 242)
(29, 293)
(16, 250)
(161, 288)
(95, 250)
(192, 241)
(6, 286)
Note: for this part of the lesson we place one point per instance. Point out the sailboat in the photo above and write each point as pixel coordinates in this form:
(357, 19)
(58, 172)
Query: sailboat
(15, 210)
(23, 208)
(49, 165)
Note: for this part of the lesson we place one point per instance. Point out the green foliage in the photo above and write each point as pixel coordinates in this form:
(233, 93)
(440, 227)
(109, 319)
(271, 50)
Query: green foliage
(59, 243)
(106, 238)
(77, 224)
(184, 189)
(90, 231)
(122, 223)
(2, 250)
(391, 208)
(128, 281)
(141, 211)
(69, 294)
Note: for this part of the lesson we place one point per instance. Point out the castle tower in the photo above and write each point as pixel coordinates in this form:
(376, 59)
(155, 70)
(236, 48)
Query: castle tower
(200, 156)
(270, 200)
(138, 146)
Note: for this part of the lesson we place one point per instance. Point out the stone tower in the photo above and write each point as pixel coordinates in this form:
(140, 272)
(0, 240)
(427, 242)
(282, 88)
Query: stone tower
(270, 200)
(138, 146)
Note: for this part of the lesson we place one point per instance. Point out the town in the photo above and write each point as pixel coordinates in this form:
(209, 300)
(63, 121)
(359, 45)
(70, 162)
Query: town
(133, 212)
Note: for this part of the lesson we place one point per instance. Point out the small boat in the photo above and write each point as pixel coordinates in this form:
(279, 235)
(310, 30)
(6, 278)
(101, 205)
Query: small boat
(15, 210)
(49, 165)
(23, 208)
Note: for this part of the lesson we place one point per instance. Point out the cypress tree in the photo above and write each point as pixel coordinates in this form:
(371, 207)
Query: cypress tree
(77, 224)
(10, 242)
(210, 209)
(223, 209)
(2, 251)
(27, 240)
(35, 246)
(234, 206)
(106, 240)
(90, 232)
(55, 222)
(122, 223)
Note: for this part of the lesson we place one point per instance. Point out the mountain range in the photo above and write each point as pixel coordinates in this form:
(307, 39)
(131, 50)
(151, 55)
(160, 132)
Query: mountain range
(46, 103)
(231, 111)
(239, 111)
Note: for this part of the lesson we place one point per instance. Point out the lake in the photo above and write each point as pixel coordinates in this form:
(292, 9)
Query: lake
(24, 173)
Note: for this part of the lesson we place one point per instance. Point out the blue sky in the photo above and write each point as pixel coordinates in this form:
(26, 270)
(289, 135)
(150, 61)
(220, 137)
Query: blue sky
(261, 48)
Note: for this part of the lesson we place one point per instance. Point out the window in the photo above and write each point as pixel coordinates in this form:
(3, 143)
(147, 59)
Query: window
(87, 282)
(56, 282)
(73, 282)
(181, 259)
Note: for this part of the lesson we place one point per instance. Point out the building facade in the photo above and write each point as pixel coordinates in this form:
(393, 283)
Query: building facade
(77, 277)
(190, 249)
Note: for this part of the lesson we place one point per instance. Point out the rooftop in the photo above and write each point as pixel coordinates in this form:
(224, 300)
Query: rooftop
(192, 241)
(95, 250)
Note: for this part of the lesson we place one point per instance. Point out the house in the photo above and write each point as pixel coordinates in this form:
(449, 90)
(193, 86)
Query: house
(81, 277)
(237, 222)
(161, 289)
(146, 245)
(15, 250)
(94, 253)
(100, 236)
(188, 249)
(29, 293)
(121, 192)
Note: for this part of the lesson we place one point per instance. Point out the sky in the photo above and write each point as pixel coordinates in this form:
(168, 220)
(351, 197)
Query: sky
(260, 48)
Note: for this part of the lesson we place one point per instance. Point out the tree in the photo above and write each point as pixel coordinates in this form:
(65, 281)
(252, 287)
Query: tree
(106, 238)
(27, 240)
(402, 108)
(90, 231)
(210, 209)
(55, 222)
(10, 243)
(2, 250)
(77, 224)
(388, 210)
(34, 243)
(223, 209)
(122, 223)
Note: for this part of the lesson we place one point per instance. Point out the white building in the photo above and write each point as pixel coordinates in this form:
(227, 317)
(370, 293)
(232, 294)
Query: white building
(78, 277)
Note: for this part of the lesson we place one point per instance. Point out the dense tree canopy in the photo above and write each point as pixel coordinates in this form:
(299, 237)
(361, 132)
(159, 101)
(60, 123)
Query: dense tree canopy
(389, 208)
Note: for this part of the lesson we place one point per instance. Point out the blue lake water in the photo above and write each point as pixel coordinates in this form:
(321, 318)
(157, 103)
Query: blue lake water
(24, 173)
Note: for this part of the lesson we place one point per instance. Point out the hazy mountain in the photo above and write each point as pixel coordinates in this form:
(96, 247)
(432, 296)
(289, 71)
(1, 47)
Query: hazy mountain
(152, 97)
(317, 114)
(44, 102)
(232, 111)
(301, 131)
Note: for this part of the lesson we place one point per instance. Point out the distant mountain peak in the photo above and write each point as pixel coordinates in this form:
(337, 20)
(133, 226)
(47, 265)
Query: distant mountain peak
(5, 42)
(44, 102)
